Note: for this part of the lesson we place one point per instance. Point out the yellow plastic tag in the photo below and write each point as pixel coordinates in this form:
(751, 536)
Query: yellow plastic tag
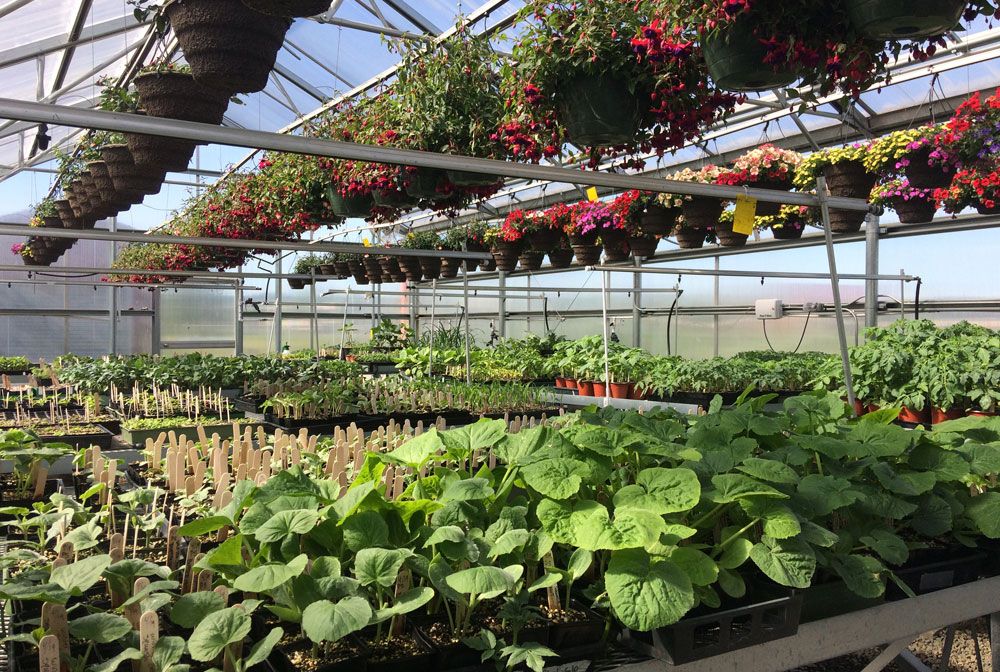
(592, 194)
(366, 242)
(743, 218)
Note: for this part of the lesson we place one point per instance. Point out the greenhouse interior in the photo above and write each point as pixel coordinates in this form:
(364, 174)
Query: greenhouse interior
(570, 335)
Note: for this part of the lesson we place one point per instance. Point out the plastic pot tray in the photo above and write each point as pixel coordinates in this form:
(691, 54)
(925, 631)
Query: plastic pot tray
(225, 431)
(771, 614)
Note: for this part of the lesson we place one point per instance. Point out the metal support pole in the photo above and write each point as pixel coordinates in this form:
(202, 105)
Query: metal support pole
(835, 286)
(468, 353)
(343, 323)
(313, 331)
(276, 326)
(113, 335)
(238, 322)
(902, 298)
(502, 304)
(607, 336)
(430, 357)
(637, 307)
(715, 318)
(154, 329)
(871, 268)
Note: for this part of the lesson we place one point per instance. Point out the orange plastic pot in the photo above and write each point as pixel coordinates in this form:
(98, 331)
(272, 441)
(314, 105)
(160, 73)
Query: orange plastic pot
(908, 415)
(600, 389)
(560, 382)
(620, 390)
(586, 388)
(939, 415)
(572, 384)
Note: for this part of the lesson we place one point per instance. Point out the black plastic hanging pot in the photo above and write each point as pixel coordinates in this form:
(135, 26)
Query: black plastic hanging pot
(425, 183)
(599, 111)
(735, 59)
(349, 206)
(911, 19)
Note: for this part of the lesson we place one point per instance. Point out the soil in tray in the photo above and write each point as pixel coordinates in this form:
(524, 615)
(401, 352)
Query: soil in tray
(406, 650)
(298, 655)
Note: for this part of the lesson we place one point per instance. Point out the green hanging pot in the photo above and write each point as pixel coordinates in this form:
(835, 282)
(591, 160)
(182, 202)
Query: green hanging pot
(911, 19)
(599, 111)
(349, 206)
(425, 183)
(396, 199)
(463, 178)
(735, 59)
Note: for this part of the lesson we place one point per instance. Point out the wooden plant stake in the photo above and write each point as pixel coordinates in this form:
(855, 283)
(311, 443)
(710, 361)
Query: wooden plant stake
(149, 634)
(66, 551)
(204, 580)
(224, 592)
(172, 541)
(552, 592)
(48, 654)
(133, 612)
(188, 582)
(403, 584)
(54, 620)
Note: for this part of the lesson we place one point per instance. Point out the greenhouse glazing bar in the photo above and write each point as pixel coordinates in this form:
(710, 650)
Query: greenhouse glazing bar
(116, 121)
(748, 274)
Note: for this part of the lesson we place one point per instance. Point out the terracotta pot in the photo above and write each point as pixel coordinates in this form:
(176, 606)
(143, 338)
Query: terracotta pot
(658, 220)
(586, 388)
(939, 415)
(637, 392)
(560, 382)
(561, 257)
(908, 415)
(643, 246)
(689, 239)
(982, 414)
(871, 408)
(229, 46)
(600, 389)
(620, 390)
(859, 407)
(572, 384)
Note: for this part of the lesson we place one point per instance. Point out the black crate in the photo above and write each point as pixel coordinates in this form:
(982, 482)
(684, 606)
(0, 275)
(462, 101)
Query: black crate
(937, 568)
(715, 632)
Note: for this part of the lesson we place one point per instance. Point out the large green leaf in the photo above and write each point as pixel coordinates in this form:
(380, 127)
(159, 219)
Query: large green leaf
(661, 491)
(933, 517)
(984, 511)
(168, 651)
(409, 601)
(476, 489)
(822, 494)
(558, 478)
(768, 470)
(861, 573)
(779, 521)
(902, 482)
(482, 434)
(438, 572)
(731, 487)
(700, 568)
(216, 631)
(79, 576)
(789, 562)
(113, 664)
(889, 546)
(510, 542)
(99, 628)
(379, 565)
(191, 609)
(512, 447)
(262, 649)
(267, 577)
(286, 523)
(415, 452)
(647, 592)
(326, 621)
(587, 524)
(945, 464)
(229, 554)
(196, 528)
(870, 439)
(483, 581)
(579, 562)
(365, 529)
(735, 554)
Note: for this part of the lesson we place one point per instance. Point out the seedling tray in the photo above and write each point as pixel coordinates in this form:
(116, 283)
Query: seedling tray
(833, 598)
(716, 632)
(78, 441)
(138, 437)
(248, 404)
(934, 569)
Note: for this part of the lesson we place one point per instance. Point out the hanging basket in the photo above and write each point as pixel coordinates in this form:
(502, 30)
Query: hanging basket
(430, 267)
(788, 232)
(296, 283)
(411, 268)
(531, 260)
(397, 199)
(616, 252)
(349, 206)
(586, 251)
(729, 238)
(599, 111)
(643, 246)
(658, 220)
(291, 8)
(373, 268)
(850, 180)
(544, 240)
(425, 183)
(910, 19)
(986, 210)
(391, 269)
(561, 258)
(462, 178)
(358, 271)
(66, 216)
(735, 60)
(914, 210)
(170, 154)
(176, 95)
(689, 238)
(613, 236)
(488, 265)
(450, 267)
(922, 175)
(327, 270)
(229, 46)
(505, 259)
(126, 176)
(701, 212)
(342, 268)
(765, 208)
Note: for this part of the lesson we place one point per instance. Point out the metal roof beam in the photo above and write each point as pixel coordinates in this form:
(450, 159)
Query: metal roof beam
(413, 16)
(51, 45)
(299, 83)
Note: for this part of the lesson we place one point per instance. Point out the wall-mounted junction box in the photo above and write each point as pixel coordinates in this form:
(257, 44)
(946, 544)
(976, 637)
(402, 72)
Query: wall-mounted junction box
(769, 309)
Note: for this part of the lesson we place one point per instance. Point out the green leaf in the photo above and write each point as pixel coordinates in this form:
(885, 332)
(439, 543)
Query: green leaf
(262, 649)
(818, 535)
(661, 491)
(860, 573)
(735, 554)
(579, 562)
(409, 601)
(732, 487)
(889, 546)
(984, 511)
(228, 553)
(933, 516)
(512, 447)
(168, 651)
(555, 478)
(81, 575)
(823, 495)
(945, 464)
(468, 489)
(286, 523)
(481, 581)
(647, 593)
(196, 528)
(902, 483)
(216, 631)
(789, 562)
(113, 663)
(415, 452)
(438, 571)
(99, 628)
(510, 542)
(365, 529)
(482, 434)
(779, 521)
(732, 584)
(545, 581)
(192, 608)
(267, 577)
(700, 568)
(985, 459)
(769, 470)
(587, 524)
(379, 566)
